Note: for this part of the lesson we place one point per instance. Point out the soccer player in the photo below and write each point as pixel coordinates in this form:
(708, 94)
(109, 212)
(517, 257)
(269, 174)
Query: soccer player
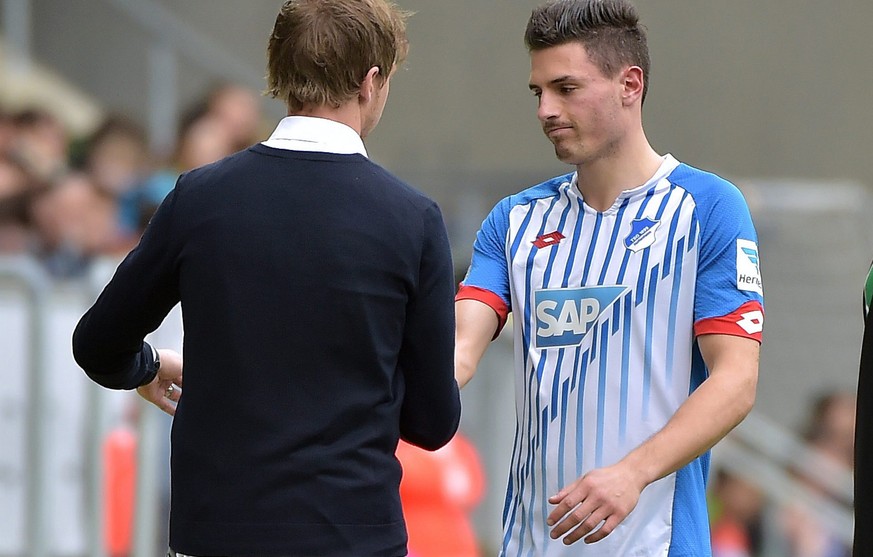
(863, 542)
(636, 294)
(317, 297)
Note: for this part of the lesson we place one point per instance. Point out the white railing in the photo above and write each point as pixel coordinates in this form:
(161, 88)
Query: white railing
(55, 421)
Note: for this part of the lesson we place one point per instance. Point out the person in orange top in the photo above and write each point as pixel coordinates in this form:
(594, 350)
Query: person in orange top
(438, 491)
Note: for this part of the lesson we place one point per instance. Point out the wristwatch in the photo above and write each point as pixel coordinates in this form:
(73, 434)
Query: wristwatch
(156, 357)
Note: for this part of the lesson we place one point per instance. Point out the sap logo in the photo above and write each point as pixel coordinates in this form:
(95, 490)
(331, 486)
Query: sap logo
(564, 316)
(642, 234)
(748, 267)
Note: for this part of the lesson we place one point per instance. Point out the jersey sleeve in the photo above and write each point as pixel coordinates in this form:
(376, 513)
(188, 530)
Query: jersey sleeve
(487, 279)
(729, 297)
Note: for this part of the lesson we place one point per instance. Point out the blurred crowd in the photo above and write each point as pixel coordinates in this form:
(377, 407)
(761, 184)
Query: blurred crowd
(66, 200)
(748, 523)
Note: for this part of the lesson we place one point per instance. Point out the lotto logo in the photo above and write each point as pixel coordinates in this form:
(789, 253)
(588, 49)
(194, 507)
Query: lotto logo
(564, 316)
(752, 321)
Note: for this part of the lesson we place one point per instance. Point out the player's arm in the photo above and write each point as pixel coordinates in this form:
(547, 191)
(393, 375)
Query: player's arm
(720, 403)
(475, 326)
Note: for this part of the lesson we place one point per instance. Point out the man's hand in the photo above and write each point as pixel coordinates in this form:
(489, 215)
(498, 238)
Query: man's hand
(605, 495)
(166, 388)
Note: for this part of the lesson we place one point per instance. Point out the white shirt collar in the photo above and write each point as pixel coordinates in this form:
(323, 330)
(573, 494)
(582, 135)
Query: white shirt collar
(306, 133)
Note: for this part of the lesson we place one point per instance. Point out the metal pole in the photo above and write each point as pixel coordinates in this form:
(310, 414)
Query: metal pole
(95, 417)
(37, 286)
(147, 489)
(95, 431)
(163, 98)
(16, 28)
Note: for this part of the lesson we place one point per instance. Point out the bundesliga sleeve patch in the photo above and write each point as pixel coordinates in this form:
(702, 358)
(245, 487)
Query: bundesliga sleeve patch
(748, 269)
(746, 321)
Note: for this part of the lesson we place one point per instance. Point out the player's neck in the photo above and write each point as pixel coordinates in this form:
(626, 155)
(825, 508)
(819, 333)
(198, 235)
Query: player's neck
(348, 113)
(631, 165)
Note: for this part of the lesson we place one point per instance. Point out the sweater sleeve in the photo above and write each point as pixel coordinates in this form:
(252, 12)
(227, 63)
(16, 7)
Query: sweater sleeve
(108, 340)
(431, 407)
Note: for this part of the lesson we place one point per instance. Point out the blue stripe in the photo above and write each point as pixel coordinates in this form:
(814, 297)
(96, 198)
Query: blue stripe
(693, 229)
(554, 250)
(516, 243)
(641, 279)
(522, 532)
(592, 354)
(625, 366)
(580, 414)
(510, 492)
(565, 391)
(555, 381)
(674, 302)
(601, 397)
(616, 313)
(660, 212)
(597, 222)
(647, 362)
(577, 233)
(627, 253)
(543, 453)
(609, 251)
(577, 362)
(668, 253)
(534, 413)
(525, 332)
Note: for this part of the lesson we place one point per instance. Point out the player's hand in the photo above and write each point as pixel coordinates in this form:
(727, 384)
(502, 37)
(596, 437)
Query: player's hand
(602, 497)
(166, 388)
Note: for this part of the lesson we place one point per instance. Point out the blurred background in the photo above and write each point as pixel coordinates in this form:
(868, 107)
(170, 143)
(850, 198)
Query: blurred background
(104, 102)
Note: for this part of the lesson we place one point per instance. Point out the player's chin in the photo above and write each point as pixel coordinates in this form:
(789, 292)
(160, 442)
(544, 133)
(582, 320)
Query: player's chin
(565, 155)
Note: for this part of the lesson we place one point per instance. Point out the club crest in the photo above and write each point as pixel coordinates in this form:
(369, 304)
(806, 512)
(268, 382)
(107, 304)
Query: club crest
(642, 234)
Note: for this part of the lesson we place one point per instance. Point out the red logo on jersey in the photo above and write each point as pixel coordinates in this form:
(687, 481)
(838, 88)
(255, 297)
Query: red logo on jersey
(547, 240)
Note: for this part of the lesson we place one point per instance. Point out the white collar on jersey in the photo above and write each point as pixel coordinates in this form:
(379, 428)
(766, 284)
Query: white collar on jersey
(668, 165)
(306, 133)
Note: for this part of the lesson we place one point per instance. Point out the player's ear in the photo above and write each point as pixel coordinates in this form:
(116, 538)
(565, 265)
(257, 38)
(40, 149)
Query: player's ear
(370, 84)
(633, 83)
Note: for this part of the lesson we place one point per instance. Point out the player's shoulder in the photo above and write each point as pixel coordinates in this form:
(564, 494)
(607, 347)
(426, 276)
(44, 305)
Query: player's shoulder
(700, 183)
(707, 189)
(544, 190)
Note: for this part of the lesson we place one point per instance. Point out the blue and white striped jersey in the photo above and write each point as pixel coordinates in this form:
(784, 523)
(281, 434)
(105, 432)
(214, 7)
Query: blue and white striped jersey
(607, 306)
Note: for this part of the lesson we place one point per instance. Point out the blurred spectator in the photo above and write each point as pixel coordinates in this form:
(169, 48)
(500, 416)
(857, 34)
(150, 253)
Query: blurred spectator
(17, 186)
(7, 132)
(203, 139)
(831, 427)
(75, 221)
(737, 510)
(439, 490)
(238, 109)
(40, 142)
(117, 155)
(829, 432)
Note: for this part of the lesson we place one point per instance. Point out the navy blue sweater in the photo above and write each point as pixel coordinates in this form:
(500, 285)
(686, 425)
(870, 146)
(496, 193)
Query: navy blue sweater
(316, 294)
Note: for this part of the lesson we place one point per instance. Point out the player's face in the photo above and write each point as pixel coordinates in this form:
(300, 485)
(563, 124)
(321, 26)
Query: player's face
(579, 108)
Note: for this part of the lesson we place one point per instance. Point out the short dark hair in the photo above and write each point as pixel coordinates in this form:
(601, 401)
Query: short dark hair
(320, 50)
(610, 30)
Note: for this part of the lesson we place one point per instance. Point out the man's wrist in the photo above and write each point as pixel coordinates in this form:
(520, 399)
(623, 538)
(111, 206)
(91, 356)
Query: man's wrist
(153, 368)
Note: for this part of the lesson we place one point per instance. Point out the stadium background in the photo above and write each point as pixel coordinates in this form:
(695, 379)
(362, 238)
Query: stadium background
(772, 95)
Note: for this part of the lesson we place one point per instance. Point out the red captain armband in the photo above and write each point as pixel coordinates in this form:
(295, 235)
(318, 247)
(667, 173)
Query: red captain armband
(746, 321)
(488, 298)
